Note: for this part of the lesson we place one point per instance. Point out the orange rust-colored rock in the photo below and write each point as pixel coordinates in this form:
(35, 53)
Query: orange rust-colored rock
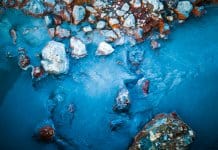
(180, 16)
(196, 12)
(81, 2)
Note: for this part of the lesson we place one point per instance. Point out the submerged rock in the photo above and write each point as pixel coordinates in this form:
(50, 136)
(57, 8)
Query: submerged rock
(78, 48)
(122, 101)
(104, 49)
(45, 131)
(54, 58)
(164, 131)
(116, 124)
(24, 61)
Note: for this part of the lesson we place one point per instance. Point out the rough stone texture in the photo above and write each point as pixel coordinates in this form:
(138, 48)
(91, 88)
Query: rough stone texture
(164, 131)
(35, 8)
(104, 49)
(54, 59)
(78, 48)
(78, 14)
(129, 21)
(184, 8)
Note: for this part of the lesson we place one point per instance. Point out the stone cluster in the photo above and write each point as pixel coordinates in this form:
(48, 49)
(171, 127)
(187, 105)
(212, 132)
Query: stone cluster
(115, 18)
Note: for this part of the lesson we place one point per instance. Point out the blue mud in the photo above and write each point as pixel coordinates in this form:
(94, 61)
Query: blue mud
(183, 76)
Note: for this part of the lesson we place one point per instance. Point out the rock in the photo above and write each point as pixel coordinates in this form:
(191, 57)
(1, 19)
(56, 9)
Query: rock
(135, 56)
(116, 124)
(46, 133)
(51, 32)
(114, 23)
(101, 24)
(171, 3)
(164, 131)
(87, 29)
(54, 59)
(125, 7)
(120, 13)
(183, 9)
(48, 21)
(99, 4)
(145, 86)
(129, 21)
(34, 8)
(50, 3)
(13, 35)
(68, 1)
(91, 9)
(136, 3)
(155, 44)
(61, 32)
(109, 35)
(104, 49)
(157, 5)
(24, 61)
(122, 101)
(92, 18)
(78, 48)
(198, 11)
(78, 14)
(37, 72)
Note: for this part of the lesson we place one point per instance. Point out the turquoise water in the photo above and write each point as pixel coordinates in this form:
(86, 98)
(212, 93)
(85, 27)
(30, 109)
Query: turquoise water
(183, 77)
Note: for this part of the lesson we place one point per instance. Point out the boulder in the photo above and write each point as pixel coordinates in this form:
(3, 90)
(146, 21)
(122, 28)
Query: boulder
(129, 21)
(104, 49)
(183, 9)
(35, 8)
(164, 131)
(78, 14)
(54, 59)
(78, 48)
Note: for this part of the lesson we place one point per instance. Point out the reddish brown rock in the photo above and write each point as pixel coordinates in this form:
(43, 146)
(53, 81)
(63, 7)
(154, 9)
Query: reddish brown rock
(46, 133)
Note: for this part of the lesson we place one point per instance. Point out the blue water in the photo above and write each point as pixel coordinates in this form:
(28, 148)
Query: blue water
(183, 76)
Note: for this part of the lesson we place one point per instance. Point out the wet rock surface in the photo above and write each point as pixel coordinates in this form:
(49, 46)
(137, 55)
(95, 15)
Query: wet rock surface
(54, 59)
(164, 131)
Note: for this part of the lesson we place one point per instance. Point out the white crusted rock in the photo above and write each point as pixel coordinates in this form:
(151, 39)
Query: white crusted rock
(129, 21)
(61, 32)
(113, 22)
(101, 24)
(136, 3)
(54, 59)
(87, 29)
(109, 35)
(78, 48)
(78, 14)
(125, 7)
(184, 8)
(68, 1)
(104, 49)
